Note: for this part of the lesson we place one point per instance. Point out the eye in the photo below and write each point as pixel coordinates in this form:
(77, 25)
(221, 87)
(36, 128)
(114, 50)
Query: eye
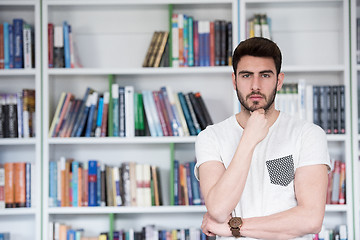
(265, 75)
(245, 75)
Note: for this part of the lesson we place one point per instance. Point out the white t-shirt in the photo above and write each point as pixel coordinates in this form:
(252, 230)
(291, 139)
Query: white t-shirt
(291, 143)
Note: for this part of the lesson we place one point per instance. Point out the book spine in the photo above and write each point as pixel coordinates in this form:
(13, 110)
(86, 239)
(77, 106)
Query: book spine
(9, 185)
(187, 115)
(194, 185)
(2, 187)
(66, 45)
(6, 45)
(115, 109)
(81, 111)
(171, 114)
(12, 115)
(122, 113)
(186, 41)
(149, 113)
(175, 41)
(83, 118)
(94, 100)
(192, 114)
(92, 180)
(160, 113)
(27, 46)
(18, 43)
(98, 184)
(20, 182)
(50, 45)
(75, 183)
(129, 111)
(198, 111)
(204, 108)
(105, 115)
(53, 184)
(28, 177)
(342, 103)
(99, 117)
(196, 43)
(11, 46)
(229, 43)
(191, 42)
(117, 193)
(212, 44)
(103, 185)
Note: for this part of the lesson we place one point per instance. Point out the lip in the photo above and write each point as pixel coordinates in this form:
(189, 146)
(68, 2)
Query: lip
(256, 97)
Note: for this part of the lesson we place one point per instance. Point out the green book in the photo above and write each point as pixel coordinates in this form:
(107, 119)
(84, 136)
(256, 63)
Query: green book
(110, 112)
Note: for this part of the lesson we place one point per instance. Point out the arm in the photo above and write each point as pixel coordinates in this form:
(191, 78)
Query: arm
(305, 218)
(218, 186)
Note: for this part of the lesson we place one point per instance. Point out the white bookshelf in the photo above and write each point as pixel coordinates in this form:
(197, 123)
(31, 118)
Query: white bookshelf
(112, 38)
(355, 77)
(314, 39)
(23, 223)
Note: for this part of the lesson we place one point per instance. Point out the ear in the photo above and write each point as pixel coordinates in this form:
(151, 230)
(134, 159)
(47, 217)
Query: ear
(234, 80)
(280, 82)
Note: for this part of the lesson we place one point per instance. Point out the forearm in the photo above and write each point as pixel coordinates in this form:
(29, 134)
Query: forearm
(295, 222)
(223, 197)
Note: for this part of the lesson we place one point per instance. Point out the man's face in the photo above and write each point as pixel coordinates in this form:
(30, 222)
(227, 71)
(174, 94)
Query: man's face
(256, 83)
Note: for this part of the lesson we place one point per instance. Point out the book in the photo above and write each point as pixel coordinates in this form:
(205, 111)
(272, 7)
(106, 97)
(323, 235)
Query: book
(187, 115)
(150, 49)
(92, 180)
(27, 46)
(28, 175)
(82, 113)
(161, 49)
(2, 186)
(122, 110)
(129, 111)
(18, 42)
(6, 45)
(105, 115)
(115, 109)
(90, 119)
(19, 184)
(99, 117)
(50, 45)
(59, 61)
(139, 115)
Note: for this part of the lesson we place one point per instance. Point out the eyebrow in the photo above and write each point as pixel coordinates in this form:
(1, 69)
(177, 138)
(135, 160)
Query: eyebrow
(261, 72)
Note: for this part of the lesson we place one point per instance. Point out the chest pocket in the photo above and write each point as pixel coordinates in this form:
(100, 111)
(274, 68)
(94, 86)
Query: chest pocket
(281, 170)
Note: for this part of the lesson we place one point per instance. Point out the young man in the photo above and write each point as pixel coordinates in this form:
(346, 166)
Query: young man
(263, 173)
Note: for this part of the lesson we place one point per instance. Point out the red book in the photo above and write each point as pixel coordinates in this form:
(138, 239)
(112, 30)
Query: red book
(212, 44)
(160, 113)
(196, 44)
(50, 45)
(19, 184)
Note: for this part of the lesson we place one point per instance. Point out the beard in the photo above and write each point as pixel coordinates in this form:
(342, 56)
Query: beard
(256, 105)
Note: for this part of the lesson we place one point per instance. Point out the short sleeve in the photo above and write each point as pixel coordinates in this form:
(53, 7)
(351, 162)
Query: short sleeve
(314, 149)
(206, 149)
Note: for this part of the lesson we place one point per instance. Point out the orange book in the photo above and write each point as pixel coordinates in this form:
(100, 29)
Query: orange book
(182, 173)
(181, 39)
(67, 183)
(342, 186)
(63, 232)
(62, 180)
(155, 183)
(19, 184)
(9, 185)
(85, 185)
(212, 44)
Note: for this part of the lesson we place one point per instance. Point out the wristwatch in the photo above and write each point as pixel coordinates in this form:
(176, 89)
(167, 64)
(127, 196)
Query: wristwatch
(235, 223)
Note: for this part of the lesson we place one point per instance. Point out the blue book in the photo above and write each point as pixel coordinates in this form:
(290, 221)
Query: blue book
(6, 46)
(186, 40)
(187, 115)
(194, 185)
(66, 45)
(188, 183)
(11, 46)
(53, 183)
(158, 128)
(75, 183)
(92, 173)
(207, 44)
(71, 234)
(98, 184)
(115, 108)
(90, 119)
(176, 182)
(18, 43)
(191, 42)
(83, 117)
(99, 117)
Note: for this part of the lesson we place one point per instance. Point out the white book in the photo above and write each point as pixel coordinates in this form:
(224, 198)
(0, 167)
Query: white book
(116, 176)
(146, 185)
(27, 46)
(149, 115)
(175, 41)
(171, 97)
(139, 185)
(129, 112)
(184, 125)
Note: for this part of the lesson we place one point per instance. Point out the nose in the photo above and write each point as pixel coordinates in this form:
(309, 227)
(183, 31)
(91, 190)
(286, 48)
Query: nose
(255, 83)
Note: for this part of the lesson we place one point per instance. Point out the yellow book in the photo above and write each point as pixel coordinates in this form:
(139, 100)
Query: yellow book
(57, 113)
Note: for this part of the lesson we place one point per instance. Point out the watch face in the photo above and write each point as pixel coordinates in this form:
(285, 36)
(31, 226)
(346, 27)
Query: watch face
(235, 222)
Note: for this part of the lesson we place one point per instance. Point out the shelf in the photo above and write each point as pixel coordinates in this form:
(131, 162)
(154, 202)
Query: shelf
(17, 72)
(336, 208)
(139, 71)
(17, 141)
(130, 2)
(336, 137)
(119, 140)
(292, 1)
(17, 3)
(312, 68)
(17, 211)
(132, 210)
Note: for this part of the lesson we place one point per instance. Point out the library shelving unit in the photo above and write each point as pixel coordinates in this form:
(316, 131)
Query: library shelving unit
(355, 77)
(314, 39)
(23, 223)
(111, 38)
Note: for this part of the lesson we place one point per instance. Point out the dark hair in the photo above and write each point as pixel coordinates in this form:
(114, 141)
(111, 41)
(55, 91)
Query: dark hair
(257, 47)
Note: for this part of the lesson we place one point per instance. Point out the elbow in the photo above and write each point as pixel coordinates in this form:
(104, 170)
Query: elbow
(217, 214)
(314, 225)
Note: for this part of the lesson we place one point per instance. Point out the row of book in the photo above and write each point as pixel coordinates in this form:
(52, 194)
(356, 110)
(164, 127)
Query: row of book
(77, 184)
(200, 42)
(258, 26)
(322, 105)
(150, 113)
(16, 45)
(62, 231)
(336, 190)
(340, 232)
(186, 186)
(15, 185)
(61, 47)
(4, 236)
(17, 114)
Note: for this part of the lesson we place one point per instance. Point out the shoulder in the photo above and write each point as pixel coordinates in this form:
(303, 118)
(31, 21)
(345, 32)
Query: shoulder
(218, 129)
